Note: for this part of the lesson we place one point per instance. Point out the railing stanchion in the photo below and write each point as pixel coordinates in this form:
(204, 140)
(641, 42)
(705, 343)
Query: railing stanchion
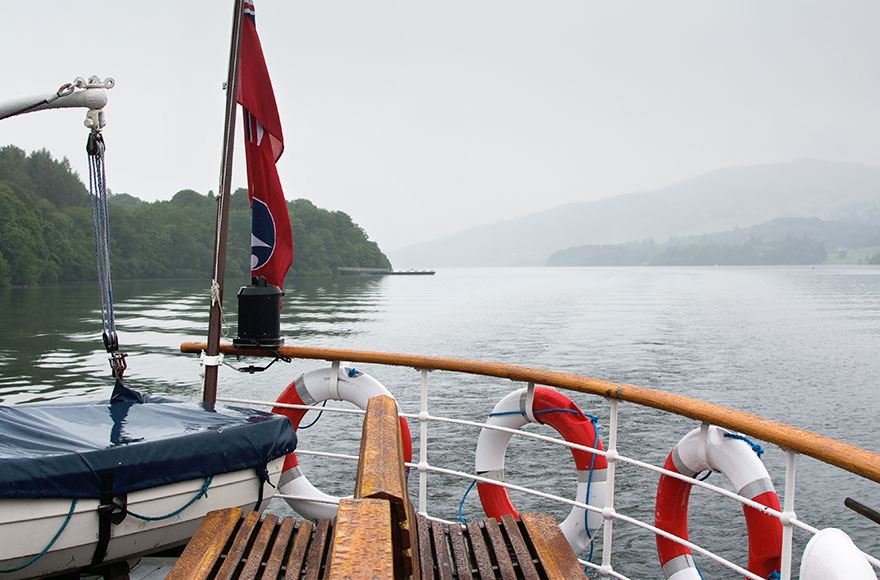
(788, 515)
(608, 512)
(423, 444)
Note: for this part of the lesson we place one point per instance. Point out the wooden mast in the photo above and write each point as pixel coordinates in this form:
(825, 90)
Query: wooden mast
(219, 271)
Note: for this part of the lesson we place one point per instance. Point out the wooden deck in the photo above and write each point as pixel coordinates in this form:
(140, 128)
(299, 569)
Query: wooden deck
(231, 544)
(377, 534)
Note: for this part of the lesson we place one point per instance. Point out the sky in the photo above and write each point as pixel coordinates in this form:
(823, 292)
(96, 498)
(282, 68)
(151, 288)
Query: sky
(421, 119)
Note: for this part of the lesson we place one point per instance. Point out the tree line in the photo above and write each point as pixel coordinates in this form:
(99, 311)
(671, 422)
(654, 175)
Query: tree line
(696, 252)
(46, 233)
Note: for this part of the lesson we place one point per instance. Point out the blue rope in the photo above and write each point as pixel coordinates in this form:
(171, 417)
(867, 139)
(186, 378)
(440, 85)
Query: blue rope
(755, 447)
(595, 421)
(560, 410)
(461, 503)
(321, 412)
(48, 546)
(202, 492)
(774, 575)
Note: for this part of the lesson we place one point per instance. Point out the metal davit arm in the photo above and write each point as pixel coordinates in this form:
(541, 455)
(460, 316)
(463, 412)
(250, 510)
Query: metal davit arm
(845, 456)
(88, 94)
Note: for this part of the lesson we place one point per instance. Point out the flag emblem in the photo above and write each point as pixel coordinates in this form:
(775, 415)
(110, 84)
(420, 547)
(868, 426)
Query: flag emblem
(262, 235)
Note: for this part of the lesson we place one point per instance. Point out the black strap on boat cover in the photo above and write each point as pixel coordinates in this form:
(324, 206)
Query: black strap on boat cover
(109, 512)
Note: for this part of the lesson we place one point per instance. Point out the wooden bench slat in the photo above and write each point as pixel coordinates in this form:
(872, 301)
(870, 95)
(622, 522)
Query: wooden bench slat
(460, 553)
(206, 546)
(316, 551)
(499, 547)
(527, 568)
(279, 548)
(426, 560)
(360, 543)
(481, 552)
(554, 552)
(298, 551)
(441, 551)
(255, 557)
(239, 545)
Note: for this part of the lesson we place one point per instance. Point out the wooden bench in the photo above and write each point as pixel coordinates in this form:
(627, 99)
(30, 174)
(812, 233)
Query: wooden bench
(376, 534)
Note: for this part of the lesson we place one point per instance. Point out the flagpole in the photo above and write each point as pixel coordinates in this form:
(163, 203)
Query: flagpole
(213, 348)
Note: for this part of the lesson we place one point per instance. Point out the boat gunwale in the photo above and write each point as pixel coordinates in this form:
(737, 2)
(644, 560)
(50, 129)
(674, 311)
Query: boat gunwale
(848, 457)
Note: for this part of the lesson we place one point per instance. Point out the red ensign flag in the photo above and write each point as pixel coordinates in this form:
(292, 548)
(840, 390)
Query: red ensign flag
(271, 239)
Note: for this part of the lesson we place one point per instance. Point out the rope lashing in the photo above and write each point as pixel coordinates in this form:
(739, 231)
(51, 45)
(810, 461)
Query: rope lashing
(774, 575)
(48, 546)
(759, 451)
(461, 503)
(98, 203)
(560, 410)
(199, 494)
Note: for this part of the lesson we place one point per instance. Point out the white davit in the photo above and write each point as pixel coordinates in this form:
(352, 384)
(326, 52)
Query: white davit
(831, 555)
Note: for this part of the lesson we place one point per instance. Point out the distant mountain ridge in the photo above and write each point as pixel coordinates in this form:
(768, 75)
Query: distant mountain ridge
(717, 201)
(777, 242)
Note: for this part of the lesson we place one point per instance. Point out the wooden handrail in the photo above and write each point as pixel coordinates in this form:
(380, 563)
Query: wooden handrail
(843, 455)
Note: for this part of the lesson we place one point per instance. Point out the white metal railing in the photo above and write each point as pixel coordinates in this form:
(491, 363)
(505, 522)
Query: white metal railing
(787, 516)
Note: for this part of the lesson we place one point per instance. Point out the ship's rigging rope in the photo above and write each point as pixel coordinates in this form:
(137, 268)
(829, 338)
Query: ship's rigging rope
(95, 148)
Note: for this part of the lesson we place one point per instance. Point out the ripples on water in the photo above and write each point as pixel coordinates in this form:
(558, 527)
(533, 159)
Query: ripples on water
(793, 344)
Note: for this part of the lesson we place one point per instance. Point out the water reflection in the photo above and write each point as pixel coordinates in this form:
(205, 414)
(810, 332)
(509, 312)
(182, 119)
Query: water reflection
(51, 344)
(794, 344)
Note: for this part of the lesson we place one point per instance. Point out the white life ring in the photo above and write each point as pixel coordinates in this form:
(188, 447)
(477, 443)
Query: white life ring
(726, 453)
(348, 384)
(558, 411)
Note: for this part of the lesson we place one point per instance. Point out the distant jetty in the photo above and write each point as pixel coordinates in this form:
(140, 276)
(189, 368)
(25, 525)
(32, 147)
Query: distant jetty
(348, 271)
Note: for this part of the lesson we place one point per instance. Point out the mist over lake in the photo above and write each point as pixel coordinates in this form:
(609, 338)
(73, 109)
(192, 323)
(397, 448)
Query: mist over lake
(798, 345)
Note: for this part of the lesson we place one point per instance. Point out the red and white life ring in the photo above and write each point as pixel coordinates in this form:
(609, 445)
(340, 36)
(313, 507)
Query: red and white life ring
(741, 466)
(348, 384)
(554, 409)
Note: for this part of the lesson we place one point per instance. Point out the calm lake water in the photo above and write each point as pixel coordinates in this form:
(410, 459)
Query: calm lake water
(798, 345)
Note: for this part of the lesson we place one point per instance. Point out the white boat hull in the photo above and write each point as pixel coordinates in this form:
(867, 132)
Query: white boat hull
(27, 525)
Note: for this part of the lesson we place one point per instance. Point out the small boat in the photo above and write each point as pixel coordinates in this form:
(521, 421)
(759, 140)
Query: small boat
(93, 483)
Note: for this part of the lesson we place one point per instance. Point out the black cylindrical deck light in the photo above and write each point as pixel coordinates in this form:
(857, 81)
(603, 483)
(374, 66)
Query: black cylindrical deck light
(259, 315)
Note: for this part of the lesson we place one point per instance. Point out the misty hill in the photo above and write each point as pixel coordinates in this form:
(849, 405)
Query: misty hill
(46, 233)
(717, 201)
(782, 241)
(834, 234)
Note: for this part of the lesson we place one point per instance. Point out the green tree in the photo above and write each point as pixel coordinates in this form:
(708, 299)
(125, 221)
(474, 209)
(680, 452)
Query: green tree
(46, 230)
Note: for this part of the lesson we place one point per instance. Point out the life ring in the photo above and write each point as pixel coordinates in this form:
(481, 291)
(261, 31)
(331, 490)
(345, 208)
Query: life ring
(720, 451)
(558, 411)
(348, 384)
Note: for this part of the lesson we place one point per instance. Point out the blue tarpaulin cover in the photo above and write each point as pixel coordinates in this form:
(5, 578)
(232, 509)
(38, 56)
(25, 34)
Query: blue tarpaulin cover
(61, 450)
